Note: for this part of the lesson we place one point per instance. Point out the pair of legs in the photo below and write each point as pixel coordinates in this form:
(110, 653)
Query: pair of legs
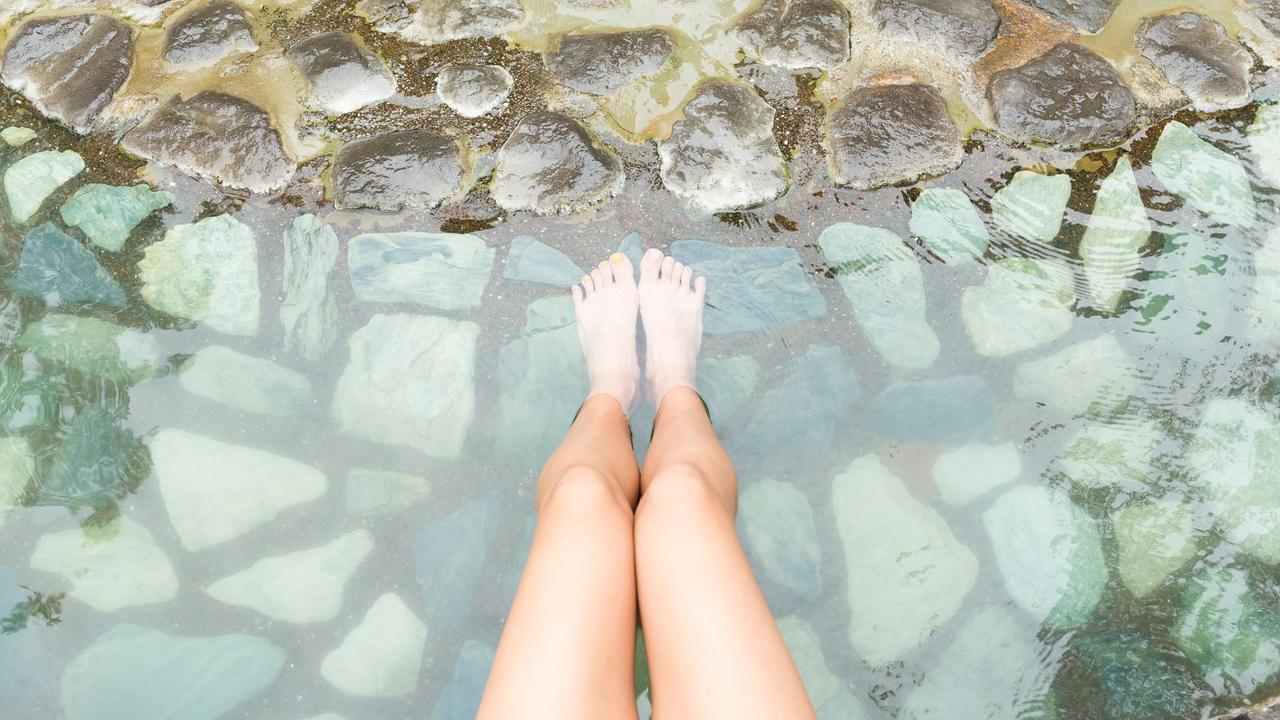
(615, 543)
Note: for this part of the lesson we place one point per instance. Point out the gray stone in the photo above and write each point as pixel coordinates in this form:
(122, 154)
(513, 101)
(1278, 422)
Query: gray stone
(602, 63)
(722, 156)
(1031, 206)
(1264, 139)
(373, 492)
(382, 656)
(1211, 180)
(1118, 229)
(797, 34)
(473, 91)
(966, 473)
(949, 224)
(1068, 97)
(245, 382)
(216, 136)
(69, 66)
(800, 415)
(207, 272)
(111, 568)
(551, 164)
(1228, 630)
(56, 268)
(1085, 15)
(533, 261)
(133, 672)
(966, 28)
(106, 214)
(207, 34)
(776, 523)
(891, 134)
(1153, 540)
(750, 289)
(441, 270)
(1023, 304)
(407, 170)
(1089, 376)
(956, 409)
(449, 555)
(308, 311)
(1196, 55)
(409, 381)
(460, 699)
(91, 346)
(343, 74)
(31, 180)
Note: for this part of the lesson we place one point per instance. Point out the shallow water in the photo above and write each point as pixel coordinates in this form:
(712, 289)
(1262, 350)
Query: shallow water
(1047, 613)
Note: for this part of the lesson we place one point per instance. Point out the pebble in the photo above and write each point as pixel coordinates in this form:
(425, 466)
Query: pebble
(212, 31)
(1088, 16)
(797, 34)
(965, 28)
(601, 63)
(17, 136)
(343, 74)
(474, 91)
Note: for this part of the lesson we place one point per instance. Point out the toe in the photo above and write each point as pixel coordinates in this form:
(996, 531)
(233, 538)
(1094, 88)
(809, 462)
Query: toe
(700, 288)
(676, 271)
(606, 272)
(668, 264)
(587, 286)
(685, 276)
(623, 272)
(576, 292)
(650, 264)
(597, 279)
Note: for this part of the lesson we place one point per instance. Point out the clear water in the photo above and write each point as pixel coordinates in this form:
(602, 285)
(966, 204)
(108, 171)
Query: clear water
(1187, 351)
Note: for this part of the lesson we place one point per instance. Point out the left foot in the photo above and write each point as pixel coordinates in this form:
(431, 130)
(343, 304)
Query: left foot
(606, 304)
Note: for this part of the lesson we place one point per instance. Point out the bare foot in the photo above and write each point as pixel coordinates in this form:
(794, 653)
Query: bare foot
(606, 304)
(671, 308)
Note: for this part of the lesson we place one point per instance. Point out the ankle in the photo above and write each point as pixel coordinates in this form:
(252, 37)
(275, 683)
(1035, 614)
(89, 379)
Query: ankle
(622, 388)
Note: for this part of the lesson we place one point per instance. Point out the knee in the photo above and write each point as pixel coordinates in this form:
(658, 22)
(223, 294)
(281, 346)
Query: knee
(583, 489)
(684, 488)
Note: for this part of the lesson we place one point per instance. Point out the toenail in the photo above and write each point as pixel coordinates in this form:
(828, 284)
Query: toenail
(585, 279)
(617, 258)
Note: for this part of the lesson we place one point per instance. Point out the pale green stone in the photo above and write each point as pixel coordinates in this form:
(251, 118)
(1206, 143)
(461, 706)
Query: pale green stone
(1264, 308)
(1153, 540)
(17, 467)
(372, 492)
(966, 473)
(531, 260)
(950, 225)
(460, 699)
(107, 214)
(245, 382)
(776, 523)
(1264, 138)
(1032, 205)
(108, 570)
(17, 136)
(92, 346)
(1023, 304)
(1212, 181)
(1227, 630)
(59, 269)
(440, 270)
(1117, 230)
(382, 656)
(1049, 551)
(907, 573)
(1088, 376)
(883, 281)
(727, 383)
(308, 311)
(1116, 456)
(830, 695)
(543, 376)
(206, 272)
(31, 180)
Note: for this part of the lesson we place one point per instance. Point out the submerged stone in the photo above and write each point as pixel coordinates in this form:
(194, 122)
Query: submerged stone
(1193, 298)
(372, 492)
(106, 214)
(603, 62)
(777, 526)
(69, 66)
(300, 587)
(382, 656)
(882, 278)
(1112, 456)
(17, 468)
(473, 91)
(460, 699)
(1023, 304)
(1196, 55)
(215, 491)
(949, 225)
(1117, 231)
(829, 694)
(960, 409)
(407, 170)
(722, 156)
(32, 179)
(133, 672)
(891, 134)
(1031, 206)
(24, 661)
(1135, 679)
(1088, 376)
(207, 34)
(56, 268)
(534, 261)
(1050, 553)
(441, 270)
(551, 164)
(751, 289)
(115, 567)
(343, 75)
(245, 382)
(1085, 15)
(964, 27)
(1068, 97)
(409, 381)
(92, 346)
(308, 311)
(966, 473)
(1227, 630)
(449, 555)
(207, 272)
(1153, 540)
(17, 136)
(1265, 306)
(98, 462)
(1264, 139)
(216, 136)
(799, 417)
(1211, 180)
(797, 34)
(907, 573)
(727, 383)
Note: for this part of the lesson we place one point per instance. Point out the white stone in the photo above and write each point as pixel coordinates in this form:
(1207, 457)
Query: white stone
(966, 473)
(245, 382)
(308, 311)
(1093, 374)
(216, 491)
(1117, 230)
(1152, 541)
(1023, 304)
(17, 136)
(31, 180)
(382, 656)
(208, 272)
(1264, 138)
(907, 573)
(109, 568)
(301, 587)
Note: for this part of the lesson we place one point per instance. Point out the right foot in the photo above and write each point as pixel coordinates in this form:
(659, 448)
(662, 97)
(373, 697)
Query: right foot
(606, 304)
(671, 310)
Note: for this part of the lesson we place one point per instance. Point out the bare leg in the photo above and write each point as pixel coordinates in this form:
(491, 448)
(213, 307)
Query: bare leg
(714, 648)
(568, 649)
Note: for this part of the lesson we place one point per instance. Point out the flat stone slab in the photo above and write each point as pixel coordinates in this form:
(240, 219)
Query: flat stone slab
(1154, 540)
(107, 214)
(1210, 179)
(601, 63)
(797, 34)
(1085, 15)
(950, 225)
(98, 462)
(1265, 306)
(442, 270)
(308, 311)
(207, 272)
(70, 66)
(955, 409)
(407, 170)
(461, 696)
(474, 91)
(776, 522)
(1227, 629)
(1092, 375)
(1023, 304)
(968, 472)
(449, 555)
(966, 28)
(409, 380)
(1112, 456)
(531, 260)
(750, 289)
(1264, 139)
(1069, 97)
(551, 164)
(343, 74)
(1032, 205)
(215, 136)
(56, 268)
(1197, 56)
(110, 568)
(245, 382)
(891, 134)
(17, 468)
(215, 491)
(373, 492)
(91, 346)
(722, 156)
(210, 32)
(31, 180)
(1118, 230)
(799, 416)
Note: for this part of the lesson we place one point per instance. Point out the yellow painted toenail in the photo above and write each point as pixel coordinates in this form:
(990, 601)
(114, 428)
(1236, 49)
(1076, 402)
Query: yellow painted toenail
(617, 258)
(585, 279)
